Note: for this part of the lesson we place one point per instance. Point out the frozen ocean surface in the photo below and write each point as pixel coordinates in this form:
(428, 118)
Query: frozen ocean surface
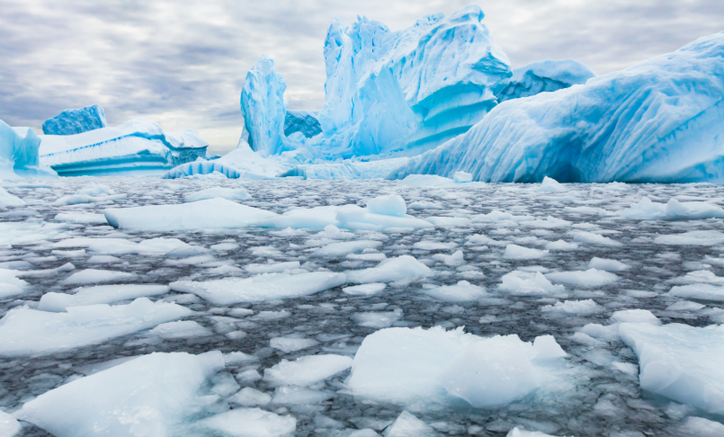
(346, 308)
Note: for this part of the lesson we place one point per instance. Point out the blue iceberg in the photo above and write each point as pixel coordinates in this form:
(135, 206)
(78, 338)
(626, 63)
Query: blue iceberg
(76, 121)
(661, 120)
(304, 122)
(346, 170)
(138, 146)
(19, 153)
(200, 168)
(542, 76)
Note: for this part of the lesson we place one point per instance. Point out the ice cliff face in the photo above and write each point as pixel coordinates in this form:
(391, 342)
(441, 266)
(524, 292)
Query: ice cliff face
(542, 76)
(302, 121)
(19, 153)
(76, 121)
(661, 120)
(264, 109)
(136, 145)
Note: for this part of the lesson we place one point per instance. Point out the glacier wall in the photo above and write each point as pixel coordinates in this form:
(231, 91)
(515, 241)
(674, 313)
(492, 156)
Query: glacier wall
(138, 145)
(542, 76)
(264, 108)
(661, 120)
(76, 121)
(19, 153)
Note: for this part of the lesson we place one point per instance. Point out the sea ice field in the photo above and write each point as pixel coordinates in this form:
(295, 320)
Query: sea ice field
(420, 307)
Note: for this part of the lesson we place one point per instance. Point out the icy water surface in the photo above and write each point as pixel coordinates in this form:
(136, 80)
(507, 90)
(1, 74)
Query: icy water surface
(600, 397)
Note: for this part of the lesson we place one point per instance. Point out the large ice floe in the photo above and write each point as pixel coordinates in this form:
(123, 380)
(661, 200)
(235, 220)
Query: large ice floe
(138, 145)
(657, 121)
(76, 121)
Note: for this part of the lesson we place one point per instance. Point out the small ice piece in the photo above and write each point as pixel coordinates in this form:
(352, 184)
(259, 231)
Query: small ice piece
(7, 199)
(590, 278)
(272, 315)
(24, 331)
(403, 268)
(218, 192)
(523, 283)
(673, 210)
(461, 177)
(250, 397)
(700, 427)
(9, 426)
(392, 204)
(347, 247)
(463, 291)
(635, 316)
(609, 265)
(293, 395)
(685, 305)
(561, 245)
(261, 288)
(580, 307)
(550, 185)
(596, 239)
(517, 432)
(95, 276)
(434, 245)
(250, 422)
(10, 285)
(307, 370)
(290, 344)
(367, 432)
(98, 295)
(547, 347)
(454, 260)
(692, 238)
(369, 289)
(377, 319)
(680, 362)
(181, 329)
(699, 291)
(204, 214)
(407, 425)
(147, 396)
(84, 218)
(513, 251)
(272, 267)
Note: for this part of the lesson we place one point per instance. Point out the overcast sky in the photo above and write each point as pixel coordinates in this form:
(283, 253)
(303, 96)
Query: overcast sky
(182, 63)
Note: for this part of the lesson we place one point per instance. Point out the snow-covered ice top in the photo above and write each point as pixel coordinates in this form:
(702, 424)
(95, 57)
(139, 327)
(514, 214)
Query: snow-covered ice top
(542, 76)
(19, 153)
(657, 121)
(264, 109)
(76, 121)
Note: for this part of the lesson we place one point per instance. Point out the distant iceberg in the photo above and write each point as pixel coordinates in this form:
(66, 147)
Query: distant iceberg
(19, 153)
(661, 120)
(76, 121)
(138, 145)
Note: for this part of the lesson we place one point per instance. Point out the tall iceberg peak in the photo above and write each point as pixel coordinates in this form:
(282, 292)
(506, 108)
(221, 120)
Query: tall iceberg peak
(76, 121)
(264, 108)
(19, 153)
(661, 120)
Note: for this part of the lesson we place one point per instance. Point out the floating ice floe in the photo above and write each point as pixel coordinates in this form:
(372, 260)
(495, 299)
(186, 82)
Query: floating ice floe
(180, 329)
(150, 395)
(10, 284)
(345, 248)
(100, 294)
(524, 283)
(214, 192)
(24, 331)
(261, 288)
(672, 210)
(588, 278)
(692, 238)
(7, 199)
(307, 370)
(709, 292)
(368, 289)
(609, 265)
(406, 366)
(95, 276)
(579, 307)
(407, 425)
(463, 291)
(249, 422)
(513, 251)
(680, 362)
(291, 344)
(403, 268)
(9, 426)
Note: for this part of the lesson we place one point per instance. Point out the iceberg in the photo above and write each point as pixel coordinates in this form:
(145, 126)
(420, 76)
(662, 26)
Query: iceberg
(19, 153)
(657, 121)
(542, 76)
(346, 170)
(264, 108)
(76, 121)
(138, 145)
(304, 122)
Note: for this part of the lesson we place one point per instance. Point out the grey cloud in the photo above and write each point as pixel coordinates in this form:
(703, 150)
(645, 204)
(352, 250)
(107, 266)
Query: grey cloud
(182, 63)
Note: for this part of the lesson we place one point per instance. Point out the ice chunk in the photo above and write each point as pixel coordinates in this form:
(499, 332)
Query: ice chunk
(346, 170)
(406, 366)
(272, 267)
(250, 397)
(403, 268)
(7, 199)
(214, 192)
(369, 289)
(291, 344)
(692, 238)
(635, 316)
(517, 432)
(306, 370)
(392, 204)
(250, 422)
(264, 108)
(588, 278)
(293, 395)
(700, 427)
(561, 245)
(19, 156)
(581, 307)
(261, 288)
(10, 285)
(76, 121)
(680, 362)
(99, 295)
(147, 396)
(550, 185)
(699, 291)
(94, 276)
(673, 210)
(302, 121)
(377, 319)
(24, 331)
(9, 426)
(591, 238)
(463, 291)
(407, 425)
(211, 213)
(344, 248)
(542, 76)
(513, 251)
(609, 265)
(182, 329)
(453, 260)
(547, 347)
(523, 283)
(656, 121)
(461, 177)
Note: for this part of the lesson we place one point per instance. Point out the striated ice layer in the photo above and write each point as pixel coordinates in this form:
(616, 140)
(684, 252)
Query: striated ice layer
(19, 154)
(76, 121)
(264, 108)
(304, 122)
(657, 121)
(542, 76)
(138, 145)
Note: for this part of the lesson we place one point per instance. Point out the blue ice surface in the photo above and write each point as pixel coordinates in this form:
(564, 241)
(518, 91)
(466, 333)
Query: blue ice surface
(201, 168)
(76, 121)
(346, 170)
(302, 121)
(542, 76)
(661, 120)
(264, 108)
(19, 153)
(136, 146)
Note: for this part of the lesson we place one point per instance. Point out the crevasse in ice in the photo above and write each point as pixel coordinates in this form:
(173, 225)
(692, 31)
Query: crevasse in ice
(76, 121)
(657, 121)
